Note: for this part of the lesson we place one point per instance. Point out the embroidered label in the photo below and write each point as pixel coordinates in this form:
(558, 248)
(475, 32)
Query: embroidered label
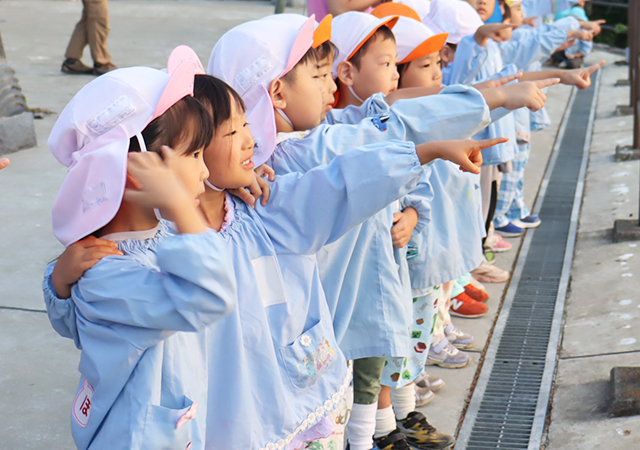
(254, 72)
(316, 361)
(112, 115)
(82, 404)
(380, 121)
(94, 196)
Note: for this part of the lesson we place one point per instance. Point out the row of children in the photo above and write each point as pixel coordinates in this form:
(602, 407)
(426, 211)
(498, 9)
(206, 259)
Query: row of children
(234, 238)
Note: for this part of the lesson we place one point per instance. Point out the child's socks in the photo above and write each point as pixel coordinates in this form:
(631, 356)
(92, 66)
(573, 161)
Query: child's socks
(403, 400)
(385, 421)
(362, 426)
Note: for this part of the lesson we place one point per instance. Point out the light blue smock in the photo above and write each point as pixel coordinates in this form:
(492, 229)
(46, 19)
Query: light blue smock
(363, 273)
(274, 368)
(138, 320)
(450, 245)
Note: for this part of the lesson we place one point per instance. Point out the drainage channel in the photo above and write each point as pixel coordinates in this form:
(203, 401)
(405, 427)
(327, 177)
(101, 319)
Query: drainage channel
(508, 408)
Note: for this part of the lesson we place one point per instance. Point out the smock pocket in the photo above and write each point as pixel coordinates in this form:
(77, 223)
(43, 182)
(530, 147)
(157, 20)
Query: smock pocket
(168, 428)
(310, 355)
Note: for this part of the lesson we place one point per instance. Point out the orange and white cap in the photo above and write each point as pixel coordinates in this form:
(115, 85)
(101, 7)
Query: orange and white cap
(248, 58)
(351, 30)
(455, 17)
(513, 2)
(413, 38)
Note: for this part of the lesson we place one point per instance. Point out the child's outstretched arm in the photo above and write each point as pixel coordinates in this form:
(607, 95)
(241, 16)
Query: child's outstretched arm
(527, 94)
(4, 162)
(76, 259)
(580, 78)
(467, 153)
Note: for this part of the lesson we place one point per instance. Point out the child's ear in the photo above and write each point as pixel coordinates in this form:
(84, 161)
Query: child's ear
(345, 73)
(275, 91)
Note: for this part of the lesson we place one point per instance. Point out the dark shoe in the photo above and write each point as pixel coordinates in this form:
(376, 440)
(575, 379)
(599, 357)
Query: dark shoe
(422, 435)
(575, 63)
(101, 69)
(392, 441)
(75, 67)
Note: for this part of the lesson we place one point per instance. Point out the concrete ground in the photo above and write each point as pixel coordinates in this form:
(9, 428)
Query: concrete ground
(601, 322)
(38, 369)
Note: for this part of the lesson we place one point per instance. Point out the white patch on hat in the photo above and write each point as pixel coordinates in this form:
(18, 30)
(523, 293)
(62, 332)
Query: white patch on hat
(94, 196)
(82, 404)
(253, 73)
(112, 116)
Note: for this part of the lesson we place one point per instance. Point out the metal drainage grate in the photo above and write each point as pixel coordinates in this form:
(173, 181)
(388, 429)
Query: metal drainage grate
(509, 404)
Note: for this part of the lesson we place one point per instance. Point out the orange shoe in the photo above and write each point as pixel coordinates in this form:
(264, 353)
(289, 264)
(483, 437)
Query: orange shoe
(465, 306)
(477, 294)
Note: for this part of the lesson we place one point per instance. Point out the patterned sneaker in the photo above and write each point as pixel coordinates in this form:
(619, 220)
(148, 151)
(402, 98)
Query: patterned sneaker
(396, 440)
(422, 435)
(510, 230)
(531, 221)
(460, 340)
(424, 396)
(487, 273)
(477, 294)
(447, 356)
(431, 382)
(465, 306)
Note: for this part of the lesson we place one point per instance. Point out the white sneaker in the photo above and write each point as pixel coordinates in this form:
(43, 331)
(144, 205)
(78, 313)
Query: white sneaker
(447, 356)
(424, 396)
(459, 339)
(431, 382)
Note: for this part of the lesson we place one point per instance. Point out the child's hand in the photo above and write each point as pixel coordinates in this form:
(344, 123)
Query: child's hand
(527, 94)
(258, 188)
(568, 44)
(530, 21)
(580, 78)
(498, 82)
(156, 185)
(76, 259)
(405, 222)
(4, 162)
(490, 31)
(583, 35)
(593, 26)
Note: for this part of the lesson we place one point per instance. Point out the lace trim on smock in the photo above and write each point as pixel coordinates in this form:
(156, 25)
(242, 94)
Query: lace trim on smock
(140, 241)
(281, 137)
(312, 419)
(229, 211)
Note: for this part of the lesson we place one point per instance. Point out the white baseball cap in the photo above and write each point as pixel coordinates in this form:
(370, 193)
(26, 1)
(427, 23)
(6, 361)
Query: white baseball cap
(351, 30)
(248, 58)
(421, 7)
(91, 137)
(414, 39)
(456, 17)
(322, 30)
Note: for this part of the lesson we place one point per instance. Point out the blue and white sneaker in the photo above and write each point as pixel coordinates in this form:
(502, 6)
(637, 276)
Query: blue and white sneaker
(531, 221)
(510, 230)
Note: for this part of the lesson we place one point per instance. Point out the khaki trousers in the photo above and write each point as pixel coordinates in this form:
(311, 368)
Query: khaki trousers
(92, 29)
